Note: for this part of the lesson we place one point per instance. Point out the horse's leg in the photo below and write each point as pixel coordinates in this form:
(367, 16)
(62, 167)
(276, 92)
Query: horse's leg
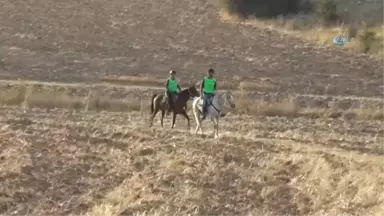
(162, 116)
(214, 126)
(186, 116)
(197, 128)
(153, 115)
(196, 113)
(217, 125)
(198, 122)
(173, 119)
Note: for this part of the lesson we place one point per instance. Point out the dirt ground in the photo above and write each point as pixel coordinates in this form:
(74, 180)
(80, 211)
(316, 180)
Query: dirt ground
(88, 40)
(85, 148)
(66, 161)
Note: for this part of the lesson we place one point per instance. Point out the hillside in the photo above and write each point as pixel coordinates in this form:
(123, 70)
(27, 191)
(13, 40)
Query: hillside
(87, 40)
(370, 11)
(305, 138)
(68, 161)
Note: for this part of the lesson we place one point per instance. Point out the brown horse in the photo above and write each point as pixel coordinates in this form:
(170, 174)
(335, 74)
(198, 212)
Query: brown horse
(180, 104)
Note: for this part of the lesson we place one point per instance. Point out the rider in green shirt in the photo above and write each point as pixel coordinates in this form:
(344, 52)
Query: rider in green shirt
(172, 89)
(208, 89)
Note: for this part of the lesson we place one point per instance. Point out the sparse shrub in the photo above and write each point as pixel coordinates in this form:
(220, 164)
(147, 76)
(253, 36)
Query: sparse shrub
(285, 108)
(366, 38)
(99, 102)
(352, 31)
(366, 41)
(327, 11)
(14, 95)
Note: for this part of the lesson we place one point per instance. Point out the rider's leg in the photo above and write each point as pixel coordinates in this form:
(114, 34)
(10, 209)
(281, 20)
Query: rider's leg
(173, 97)
(169, 97)
(171, 101)
(205, 96)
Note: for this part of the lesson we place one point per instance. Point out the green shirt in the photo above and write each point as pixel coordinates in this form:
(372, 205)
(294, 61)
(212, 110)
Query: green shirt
(172, 85)
(209, 85)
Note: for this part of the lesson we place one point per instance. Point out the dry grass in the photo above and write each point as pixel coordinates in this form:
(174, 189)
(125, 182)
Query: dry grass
(111, 164)
(263, 108)
(58, 159)
(135, 80)
(322, 35)
(49, 98)
(289, 108)
(261, 84)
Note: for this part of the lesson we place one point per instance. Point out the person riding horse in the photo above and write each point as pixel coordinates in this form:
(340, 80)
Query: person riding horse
(207, 90)
(172, 90)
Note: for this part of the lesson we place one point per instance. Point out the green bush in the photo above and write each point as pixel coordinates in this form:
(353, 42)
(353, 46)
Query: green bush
(265, 8)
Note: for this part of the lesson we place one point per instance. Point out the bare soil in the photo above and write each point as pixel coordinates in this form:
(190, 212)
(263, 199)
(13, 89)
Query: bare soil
(88, 40)
(59, 162)
(96, 162)
(320, 153)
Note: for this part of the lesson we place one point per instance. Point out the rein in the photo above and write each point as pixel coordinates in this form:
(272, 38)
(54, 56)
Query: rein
(189, 92)
(218, 111)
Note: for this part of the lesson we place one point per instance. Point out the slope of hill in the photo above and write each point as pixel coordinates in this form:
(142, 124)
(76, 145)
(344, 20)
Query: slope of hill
(55, 161)
(87, 40)
(370, 11)
(86, 149)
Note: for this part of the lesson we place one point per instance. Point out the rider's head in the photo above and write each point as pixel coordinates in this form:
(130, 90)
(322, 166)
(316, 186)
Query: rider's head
(211, 72)
(172, 73)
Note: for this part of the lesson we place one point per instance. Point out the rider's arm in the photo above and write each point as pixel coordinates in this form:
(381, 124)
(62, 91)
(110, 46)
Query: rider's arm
(214, 86)
(201, 88)
(166, 85)
(178, 86)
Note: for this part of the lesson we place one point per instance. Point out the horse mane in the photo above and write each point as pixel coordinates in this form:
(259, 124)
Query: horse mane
(186, 89)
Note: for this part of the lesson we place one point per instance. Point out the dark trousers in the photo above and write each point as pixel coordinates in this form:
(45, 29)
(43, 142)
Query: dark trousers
(170, 96)
(207, 97)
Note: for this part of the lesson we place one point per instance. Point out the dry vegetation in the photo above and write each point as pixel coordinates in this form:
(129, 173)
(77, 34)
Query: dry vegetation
(114, 99)
(316, 20)
(306, 137)
(72, 160)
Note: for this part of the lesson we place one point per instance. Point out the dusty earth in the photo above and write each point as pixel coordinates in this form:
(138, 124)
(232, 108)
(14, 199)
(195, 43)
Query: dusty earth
(77, 161)
(61, 162)
(87, 40)
(71, 161)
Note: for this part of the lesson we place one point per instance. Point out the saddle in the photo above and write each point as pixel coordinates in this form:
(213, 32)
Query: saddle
(173, 97)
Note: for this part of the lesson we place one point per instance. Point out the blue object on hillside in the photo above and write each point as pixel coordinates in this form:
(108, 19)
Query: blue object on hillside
(341, 40)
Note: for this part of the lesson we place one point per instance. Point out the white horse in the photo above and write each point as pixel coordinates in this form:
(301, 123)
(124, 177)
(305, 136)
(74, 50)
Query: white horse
(216, 109)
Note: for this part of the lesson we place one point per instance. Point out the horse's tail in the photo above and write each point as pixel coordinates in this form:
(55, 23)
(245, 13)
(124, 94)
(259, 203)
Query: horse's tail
(152, 103)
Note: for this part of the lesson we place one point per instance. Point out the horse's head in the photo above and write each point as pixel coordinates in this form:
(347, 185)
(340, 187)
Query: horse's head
(229, 100)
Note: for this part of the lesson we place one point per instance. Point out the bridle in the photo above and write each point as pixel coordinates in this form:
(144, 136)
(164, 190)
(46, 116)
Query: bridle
(190, 93)
(219, 110)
